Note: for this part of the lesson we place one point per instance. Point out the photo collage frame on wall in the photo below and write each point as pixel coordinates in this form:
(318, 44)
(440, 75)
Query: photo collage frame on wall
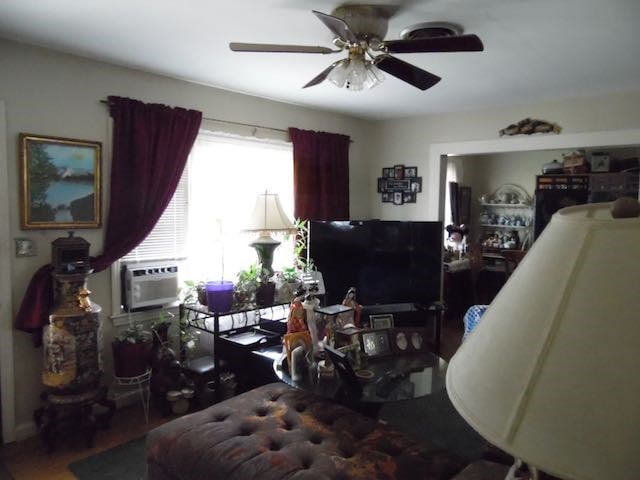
(399, 184)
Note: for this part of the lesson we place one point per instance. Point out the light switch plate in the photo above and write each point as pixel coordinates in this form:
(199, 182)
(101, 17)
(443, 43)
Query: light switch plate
(25, 247)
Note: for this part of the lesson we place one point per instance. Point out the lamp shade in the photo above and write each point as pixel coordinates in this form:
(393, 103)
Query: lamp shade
(550, 375)
(268, 216)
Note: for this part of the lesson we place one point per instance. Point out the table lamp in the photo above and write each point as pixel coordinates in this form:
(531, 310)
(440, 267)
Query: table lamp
(550, 374)
(268, 217)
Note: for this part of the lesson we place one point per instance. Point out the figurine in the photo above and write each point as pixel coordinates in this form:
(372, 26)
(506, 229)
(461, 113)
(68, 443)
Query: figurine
(353, 316)
(297, 316)
(529, 126)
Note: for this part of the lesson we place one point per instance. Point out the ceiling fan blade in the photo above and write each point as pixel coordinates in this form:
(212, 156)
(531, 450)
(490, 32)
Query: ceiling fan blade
(456, 43)
(338, 26)
(406, 72)
(271, 47)
(322, 76)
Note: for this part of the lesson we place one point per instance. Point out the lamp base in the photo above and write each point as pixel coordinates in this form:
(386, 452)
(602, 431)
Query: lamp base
(517, 464)
(265, 245)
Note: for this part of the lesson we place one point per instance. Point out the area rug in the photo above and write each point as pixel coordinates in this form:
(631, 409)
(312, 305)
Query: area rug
(122, 462)
(434, 420)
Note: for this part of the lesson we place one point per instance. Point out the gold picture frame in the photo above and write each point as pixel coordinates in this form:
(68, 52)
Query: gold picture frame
(60, 183)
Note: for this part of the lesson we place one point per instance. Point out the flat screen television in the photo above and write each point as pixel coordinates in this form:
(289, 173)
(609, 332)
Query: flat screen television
(389, 262)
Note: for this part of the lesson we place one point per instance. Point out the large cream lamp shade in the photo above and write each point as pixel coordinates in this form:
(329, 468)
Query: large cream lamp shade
(551, 374)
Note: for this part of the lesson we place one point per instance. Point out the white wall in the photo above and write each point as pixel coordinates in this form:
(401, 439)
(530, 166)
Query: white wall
(55, 94)
(409, 140)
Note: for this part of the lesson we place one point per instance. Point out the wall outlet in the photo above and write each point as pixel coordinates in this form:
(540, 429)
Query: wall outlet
(25, 247)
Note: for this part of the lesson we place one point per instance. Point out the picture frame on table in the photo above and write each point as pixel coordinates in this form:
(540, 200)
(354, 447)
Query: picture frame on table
(60, 184)
(381, 321)
(376, 342)
(343, 366)
(408, 340)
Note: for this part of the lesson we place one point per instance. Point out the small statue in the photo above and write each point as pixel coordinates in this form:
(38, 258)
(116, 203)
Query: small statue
(529, 126)
(297, 316)
(350, 301)
(83, 299)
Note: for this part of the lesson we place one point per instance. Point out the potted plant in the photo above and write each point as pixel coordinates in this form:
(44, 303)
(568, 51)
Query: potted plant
(194, 291)
(131, 351)
(288, 281)
(253, 288)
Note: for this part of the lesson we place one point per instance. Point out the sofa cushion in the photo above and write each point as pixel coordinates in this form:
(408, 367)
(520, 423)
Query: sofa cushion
(276, 431)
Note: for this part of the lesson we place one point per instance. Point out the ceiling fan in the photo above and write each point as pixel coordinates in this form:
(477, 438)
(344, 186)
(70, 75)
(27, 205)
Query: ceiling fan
(360, 30)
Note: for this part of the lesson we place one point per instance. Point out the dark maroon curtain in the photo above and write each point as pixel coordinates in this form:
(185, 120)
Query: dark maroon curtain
(321, 175)
(151, 144)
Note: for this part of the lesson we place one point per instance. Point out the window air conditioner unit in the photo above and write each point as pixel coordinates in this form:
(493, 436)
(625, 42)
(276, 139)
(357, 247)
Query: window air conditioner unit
(149, 285)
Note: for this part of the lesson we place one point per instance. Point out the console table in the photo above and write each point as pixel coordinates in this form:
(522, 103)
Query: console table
(241, 330)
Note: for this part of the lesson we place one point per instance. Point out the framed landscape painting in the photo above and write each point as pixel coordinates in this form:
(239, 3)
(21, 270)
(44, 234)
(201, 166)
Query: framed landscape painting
(60, 185)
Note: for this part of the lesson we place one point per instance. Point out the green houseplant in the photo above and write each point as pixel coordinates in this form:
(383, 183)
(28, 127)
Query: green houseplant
(193, 291)
(131, 351)
(253, 287)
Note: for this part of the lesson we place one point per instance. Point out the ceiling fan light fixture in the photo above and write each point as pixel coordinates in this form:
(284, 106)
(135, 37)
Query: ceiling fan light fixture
(356, 73)
(338, 75)
(374, 76)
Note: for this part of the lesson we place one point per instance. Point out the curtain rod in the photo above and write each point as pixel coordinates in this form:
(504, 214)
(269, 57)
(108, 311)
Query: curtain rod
(106, 102)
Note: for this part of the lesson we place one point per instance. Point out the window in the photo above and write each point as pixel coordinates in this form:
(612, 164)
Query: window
(203, 223)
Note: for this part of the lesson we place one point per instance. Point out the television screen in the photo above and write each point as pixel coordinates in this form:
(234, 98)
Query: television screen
(387, 261)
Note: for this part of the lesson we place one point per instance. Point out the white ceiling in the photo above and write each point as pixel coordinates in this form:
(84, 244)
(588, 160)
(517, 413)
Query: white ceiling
(534, 49)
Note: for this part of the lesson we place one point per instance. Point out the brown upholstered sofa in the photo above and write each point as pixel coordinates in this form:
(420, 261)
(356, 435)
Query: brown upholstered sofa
(277, 432)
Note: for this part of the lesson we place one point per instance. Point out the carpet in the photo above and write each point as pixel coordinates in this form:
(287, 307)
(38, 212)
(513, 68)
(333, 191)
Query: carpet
(431, 419)
(434, 420)
(122, 462)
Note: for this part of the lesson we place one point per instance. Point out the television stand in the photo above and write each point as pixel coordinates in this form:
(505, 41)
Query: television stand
(410, 314)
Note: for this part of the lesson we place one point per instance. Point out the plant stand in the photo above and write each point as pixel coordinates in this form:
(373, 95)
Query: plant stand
(142, 383)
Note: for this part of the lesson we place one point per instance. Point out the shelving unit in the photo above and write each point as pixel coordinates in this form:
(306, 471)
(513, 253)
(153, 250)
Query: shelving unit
(504, 218)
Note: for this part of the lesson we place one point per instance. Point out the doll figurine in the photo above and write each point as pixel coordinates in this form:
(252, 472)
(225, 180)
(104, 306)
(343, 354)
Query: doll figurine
(350, 301)
(297, 315)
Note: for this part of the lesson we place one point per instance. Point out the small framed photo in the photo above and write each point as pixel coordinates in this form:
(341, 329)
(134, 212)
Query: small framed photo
(343, 366)
(387, 197)
(416, 184)
(399, 171)
(408, 197)
(408, 340)
(60, 183)
(397, 198)
(382, 184)
(381, 321)
(388, 172)
(410, 172)
(376, 343)
(600, 163)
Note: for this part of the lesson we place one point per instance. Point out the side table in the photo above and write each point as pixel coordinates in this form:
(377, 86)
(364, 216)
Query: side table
(73, 411)
(142, 383)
